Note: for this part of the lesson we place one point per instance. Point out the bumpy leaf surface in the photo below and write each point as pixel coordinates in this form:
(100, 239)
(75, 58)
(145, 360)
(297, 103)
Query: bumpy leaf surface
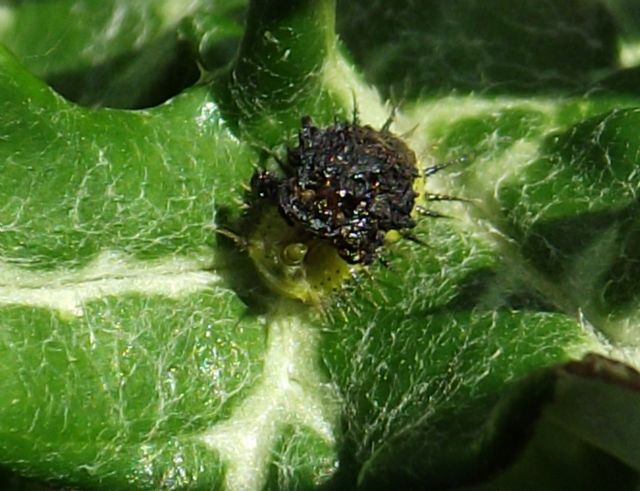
(138, 347)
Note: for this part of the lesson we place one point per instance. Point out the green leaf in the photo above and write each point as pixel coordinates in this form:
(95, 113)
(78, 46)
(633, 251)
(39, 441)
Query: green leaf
(135, 343)
(140, 349)
(495, 46)
(121, 54)
(585, 432)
